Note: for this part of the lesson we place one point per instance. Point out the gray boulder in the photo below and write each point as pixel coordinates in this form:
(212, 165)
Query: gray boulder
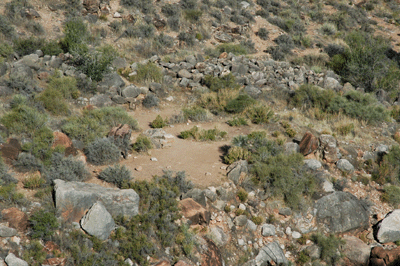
(332, 84)
(219, 236)
(236, 169)
(119, 62)
(241, 220)
(198, 195)
(74, 198)
(183, 73)
(312, 164)
(223, 37)
(356, 250)
(341, 212)
(7, 231)
(98, 221)
(268, 230)
(345, 166)
(252, 91)
(31, 61)
(389, 228)
(131, 91)
(112, 80)
(291, 147)
(55, 62)
(250, 225)
(328, 144)
(211, 195)
(12, 260)
(270, 252)
(101, 100)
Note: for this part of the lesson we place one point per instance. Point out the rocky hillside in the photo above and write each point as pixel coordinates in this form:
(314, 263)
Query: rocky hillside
(138, 132)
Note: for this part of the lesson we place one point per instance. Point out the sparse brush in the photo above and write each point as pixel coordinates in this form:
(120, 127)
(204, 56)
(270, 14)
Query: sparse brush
(34, 181)
(203, 135)
(158, 122)
(117, 174)
(237, 121)
(142, 144)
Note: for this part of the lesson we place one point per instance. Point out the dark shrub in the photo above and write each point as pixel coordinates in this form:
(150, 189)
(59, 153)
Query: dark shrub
(28, 46)
(334, 49)
(150, 101)
(263, 33)
(53, 101)
(43, 224)
(66, 168)
(23, 119)
(219, 83)
(142, 144)
(158, 122)
(239, 104)
(117, 174)
(329, 246)
(5, 177)
(6, 28)
(285, 42)
(51, 48)
(102, 151)
(187, 38)
(76, 34)
(195, 114)
(174, 23)
(170, 10)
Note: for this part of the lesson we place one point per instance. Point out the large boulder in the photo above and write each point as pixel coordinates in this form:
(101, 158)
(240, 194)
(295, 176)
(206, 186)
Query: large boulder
(308, 144)
(270, 253)
(101, 100)
(384, 257)
(388, 230)
(193, 211)
(356, 251)
(112, 80)
(131, 91)
(12, 260)
(219, 236)
(345, 166)
(198, 195)
(73, 199)
(341, 212)
(98, 221)
(15, 218)
(6, 231)
(159, 138)
(236, 170)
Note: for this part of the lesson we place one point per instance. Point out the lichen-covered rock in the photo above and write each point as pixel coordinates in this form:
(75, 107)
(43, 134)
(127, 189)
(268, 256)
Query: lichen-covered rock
(341, 212)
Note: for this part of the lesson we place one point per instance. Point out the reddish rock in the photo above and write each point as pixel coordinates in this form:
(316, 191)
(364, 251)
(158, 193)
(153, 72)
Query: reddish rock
(181, 263)
(60, 139)
(92, 6)
(308, 144)
(55, 262)
(43, 76)
(120, 131)
(194, 211)
(163, 263)
(212, 257)
(380, 256)
(15, 218)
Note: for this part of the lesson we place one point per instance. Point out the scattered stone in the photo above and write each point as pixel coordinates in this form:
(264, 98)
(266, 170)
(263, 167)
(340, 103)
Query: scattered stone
(240, 220)
(7, 231)
(223, 37)
(308, 144)
(131, 91)
(341, 212)
(270, 252)
(12, 260)
(194, 211)
(268, 230)
(251, 225)
(296, 235)
(153, 159)
(312, 164)
(112, 80)
(291, 147)
(98, 221)
(356, 251)
(285, 211)
(100, 100)
(345, 166)
(73, 199)
(198, 195)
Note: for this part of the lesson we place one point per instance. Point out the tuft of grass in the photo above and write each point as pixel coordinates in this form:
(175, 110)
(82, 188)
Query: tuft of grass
(242, 195)
(142, 144)
(237, 121)
(158, 122)
(203, 135)
(34, 181)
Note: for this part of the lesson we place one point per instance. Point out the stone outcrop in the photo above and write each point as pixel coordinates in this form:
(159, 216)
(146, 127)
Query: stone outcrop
(308, 144)
(236, 170)
(388, 230)
(73, 199)
(193, 211)
(98, 221)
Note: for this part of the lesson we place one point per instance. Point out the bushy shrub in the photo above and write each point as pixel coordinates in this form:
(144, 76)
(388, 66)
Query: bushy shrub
(75, 35)
(239, 104)
(285, 42)
(28, 46)
(34, 181)
(5, 177)
(174, 23)
(34, 253)
(150, 101)
(51, 48)
(235, 154)
(329, 245)
(391, 195)
(163, 41)
(96, 123)
(27, 163)
(6, 28)
(237, 121)
(149, 72)
(67, 86)
(219, 83)
(52, 100)
(187, 38)
(102, 151)
(14, 7)
(35, 27)
(259, 114)
(328, 29)
(236, 49)
(170, 9)
(66, 168)
(117, 174)
(43, 224)
(242, 195)
(158, 122)
(23, 119)
(195, 114)
(203, 135)
(142, 144)
(9, 194)
(193, 15)
(144, 5)
(263, 33)
(141, 31)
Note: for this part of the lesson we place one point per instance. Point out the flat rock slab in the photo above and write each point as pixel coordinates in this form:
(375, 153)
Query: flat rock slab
(12, 260)
(341, 212)
(73, 199)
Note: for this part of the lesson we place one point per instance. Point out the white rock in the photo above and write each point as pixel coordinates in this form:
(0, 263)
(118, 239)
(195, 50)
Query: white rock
(296, 235)
(153, 159)
(242, 206)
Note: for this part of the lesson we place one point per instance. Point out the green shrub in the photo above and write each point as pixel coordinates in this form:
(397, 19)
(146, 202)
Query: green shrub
(117, 174)
(41, 143)
(236, 49)
(6, 51)
(35, 27)
(28, 46)
(195, 114)
(140, 31)
(23, 119)
(52, 47)
(34, 253)
(158, 122)
(391, 195)
(259, 114)
(328, 29)
(27, 163)
(147, 73)
(237, 121)
(329, 247)
(257, 220)
(144, 5)
(219, 83)
(174, 22)
(203, 135)
(235, 154)
(242, 195)
(66, 168)
(53, 101)
(6, 27)
(170, 9)
(67, 86)
(96, 123)
(187, 38)
(239, 104)
(345, 129)
(75, 35)
(34, 181)
(9, 195)
(303, 257)
(102, 151)
(43, 224)
(193, 15)
(142, 144)
(5, 177)
(263, 33)
(14, 8)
